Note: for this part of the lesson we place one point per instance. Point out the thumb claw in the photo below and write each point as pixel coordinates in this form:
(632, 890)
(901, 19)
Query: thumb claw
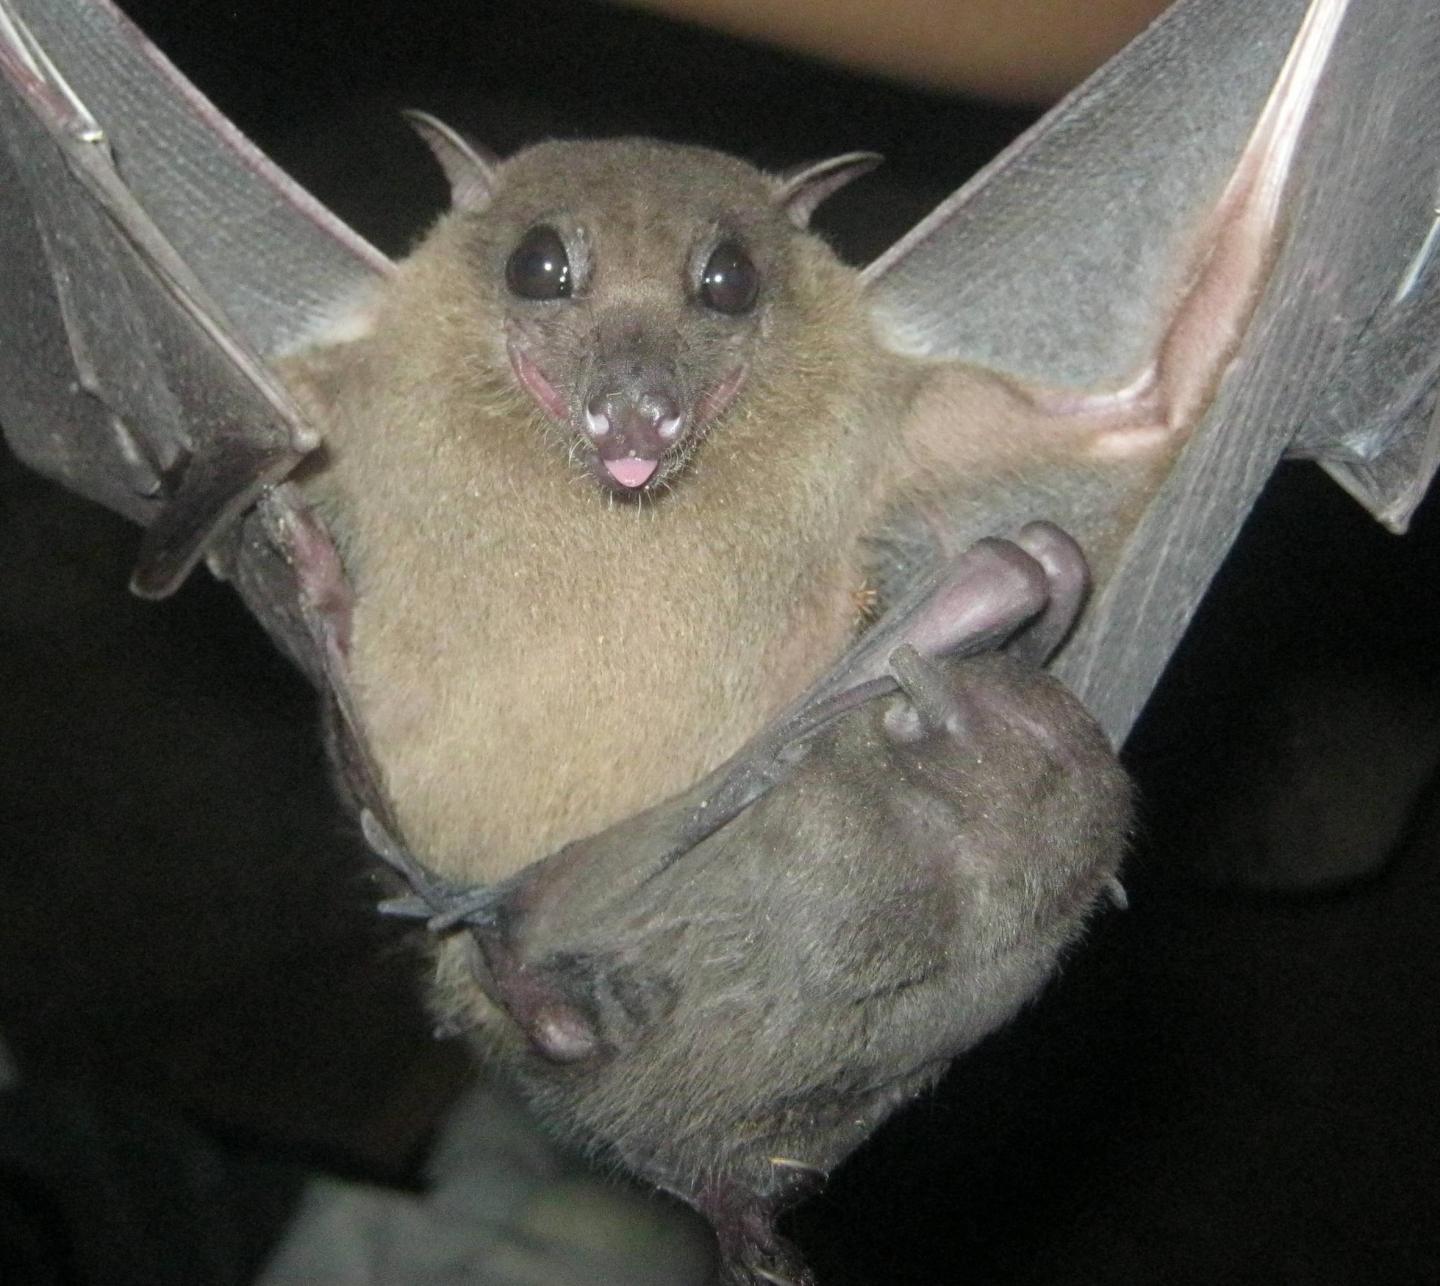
(933, 707)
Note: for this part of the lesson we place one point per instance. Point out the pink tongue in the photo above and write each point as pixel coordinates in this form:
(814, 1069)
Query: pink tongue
(631, 472)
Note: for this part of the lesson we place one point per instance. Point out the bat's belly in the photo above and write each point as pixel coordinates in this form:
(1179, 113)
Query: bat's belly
(555, 692)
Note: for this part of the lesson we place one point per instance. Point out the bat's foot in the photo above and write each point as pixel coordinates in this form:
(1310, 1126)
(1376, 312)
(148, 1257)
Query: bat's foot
(775, 1264)
(752, 1253)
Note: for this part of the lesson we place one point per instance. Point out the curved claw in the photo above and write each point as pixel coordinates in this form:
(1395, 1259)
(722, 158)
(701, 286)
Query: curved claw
(411, 908)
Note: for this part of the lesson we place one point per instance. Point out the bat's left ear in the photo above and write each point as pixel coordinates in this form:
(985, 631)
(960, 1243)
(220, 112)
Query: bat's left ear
(800, 190)
(469, 167)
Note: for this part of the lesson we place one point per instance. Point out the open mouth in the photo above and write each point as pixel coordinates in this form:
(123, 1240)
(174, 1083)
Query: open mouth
(630, 472)
(625, 472)
(634, 434)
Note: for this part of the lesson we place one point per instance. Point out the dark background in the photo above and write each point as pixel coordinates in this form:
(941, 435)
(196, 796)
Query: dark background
(1223, 1086)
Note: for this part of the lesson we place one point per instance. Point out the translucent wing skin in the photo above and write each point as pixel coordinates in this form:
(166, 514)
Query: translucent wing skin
(150, 260)
(1061, 263)
(161, 257)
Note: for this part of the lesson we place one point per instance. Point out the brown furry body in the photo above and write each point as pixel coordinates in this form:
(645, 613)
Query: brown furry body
(750, 1013)
(535, 659)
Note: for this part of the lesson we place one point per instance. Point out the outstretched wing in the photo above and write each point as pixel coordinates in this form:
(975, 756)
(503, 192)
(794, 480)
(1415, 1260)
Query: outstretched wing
(1129, 230)
(150, 259)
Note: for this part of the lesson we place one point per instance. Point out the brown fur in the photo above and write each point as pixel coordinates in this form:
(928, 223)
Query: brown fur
(750, 1013)
(535, 659)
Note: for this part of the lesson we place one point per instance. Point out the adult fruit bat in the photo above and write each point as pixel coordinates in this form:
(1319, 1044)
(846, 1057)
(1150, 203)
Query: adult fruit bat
(1024, 365)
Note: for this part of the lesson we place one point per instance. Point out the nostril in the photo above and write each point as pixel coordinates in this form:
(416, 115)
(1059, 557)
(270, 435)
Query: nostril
(644, 422)
(660, 409)
(597, 416)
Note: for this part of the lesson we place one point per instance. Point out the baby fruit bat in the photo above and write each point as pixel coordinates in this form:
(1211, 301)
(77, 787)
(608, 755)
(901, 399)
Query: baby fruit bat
(879, 879)
(626, 495)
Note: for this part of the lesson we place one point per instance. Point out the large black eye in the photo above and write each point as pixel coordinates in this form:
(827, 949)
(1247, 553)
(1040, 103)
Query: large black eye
(730, 281)
(539, 268)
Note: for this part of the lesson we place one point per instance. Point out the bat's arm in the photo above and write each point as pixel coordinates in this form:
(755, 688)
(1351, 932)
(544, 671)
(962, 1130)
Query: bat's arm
(1340, 358)
(150, 262)
(1225, 243)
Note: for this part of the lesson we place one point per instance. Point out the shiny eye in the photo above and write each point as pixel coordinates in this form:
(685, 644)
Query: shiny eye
(539, 267)
(730, 281)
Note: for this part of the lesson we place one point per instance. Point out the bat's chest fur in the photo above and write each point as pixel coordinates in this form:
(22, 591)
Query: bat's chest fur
(534, 663)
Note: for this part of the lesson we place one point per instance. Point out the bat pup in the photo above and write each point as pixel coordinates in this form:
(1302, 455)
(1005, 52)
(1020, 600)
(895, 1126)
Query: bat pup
(728, 993)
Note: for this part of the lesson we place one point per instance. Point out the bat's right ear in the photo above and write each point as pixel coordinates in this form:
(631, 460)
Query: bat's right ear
(469, 167)
(802, 189)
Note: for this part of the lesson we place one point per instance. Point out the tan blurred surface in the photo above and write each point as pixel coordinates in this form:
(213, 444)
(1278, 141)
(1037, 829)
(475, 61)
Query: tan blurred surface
(1024, 51)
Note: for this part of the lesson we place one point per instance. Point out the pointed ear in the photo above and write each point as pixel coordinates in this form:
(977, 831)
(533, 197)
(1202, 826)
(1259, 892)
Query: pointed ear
(571, 1006)
(556, 1029)
(537, 997)
(469, 167)
(802, 189)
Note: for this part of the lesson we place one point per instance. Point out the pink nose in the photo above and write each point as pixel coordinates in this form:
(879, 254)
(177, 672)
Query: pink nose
(641, 425)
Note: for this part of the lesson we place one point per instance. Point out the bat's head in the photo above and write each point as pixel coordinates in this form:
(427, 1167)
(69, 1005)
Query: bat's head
(637, 284)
